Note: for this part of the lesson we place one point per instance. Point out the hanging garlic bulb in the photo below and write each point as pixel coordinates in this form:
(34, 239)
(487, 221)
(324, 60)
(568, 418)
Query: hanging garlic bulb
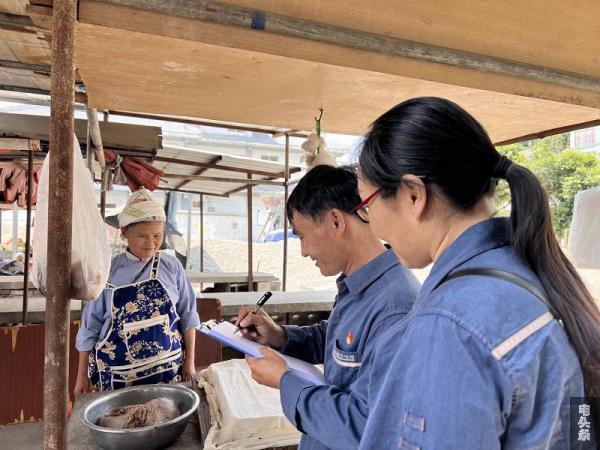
(316, 148)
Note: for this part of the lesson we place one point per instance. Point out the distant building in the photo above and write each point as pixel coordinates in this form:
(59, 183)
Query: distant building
(587, 139)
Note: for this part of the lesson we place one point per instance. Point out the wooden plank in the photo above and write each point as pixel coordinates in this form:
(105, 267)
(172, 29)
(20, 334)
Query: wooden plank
(548, 33)
(552, 132)
(21, 371)
(24, 89)
(43, 68)
(114, 135)
(227, 277)
(11, 310)
(280, 302)
(47, 3)
(229, 126)
(208, 351)
(16, 7)
(236, 16)
(242, 85)
(40, 16)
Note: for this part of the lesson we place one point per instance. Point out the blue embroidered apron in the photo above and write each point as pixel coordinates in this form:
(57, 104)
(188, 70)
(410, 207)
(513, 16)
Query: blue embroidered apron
(143, 344)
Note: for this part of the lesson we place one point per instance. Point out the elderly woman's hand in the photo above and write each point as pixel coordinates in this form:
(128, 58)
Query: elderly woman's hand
(188, 371)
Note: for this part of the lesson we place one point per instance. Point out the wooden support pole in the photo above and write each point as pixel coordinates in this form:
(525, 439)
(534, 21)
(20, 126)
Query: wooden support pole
(27, 237)
(88, 149)
(103, 204)
(201, 233)
(60, 212)
(285, 220)
(250, 250)
(92, 116)
(188, 256)
(15, 229)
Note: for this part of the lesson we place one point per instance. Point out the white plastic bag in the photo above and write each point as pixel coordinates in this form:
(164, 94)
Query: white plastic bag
(90, 251)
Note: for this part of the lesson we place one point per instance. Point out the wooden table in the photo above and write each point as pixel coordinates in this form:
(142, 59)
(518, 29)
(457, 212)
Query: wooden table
(231, 302)
(11, 309)
(14, 282)
(223, 281)
(79, 437)
(279, 303)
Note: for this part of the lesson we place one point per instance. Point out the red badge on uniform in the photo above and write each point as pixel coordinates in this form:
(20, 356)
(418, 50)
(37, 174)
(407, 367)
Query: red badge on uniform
(349, 338)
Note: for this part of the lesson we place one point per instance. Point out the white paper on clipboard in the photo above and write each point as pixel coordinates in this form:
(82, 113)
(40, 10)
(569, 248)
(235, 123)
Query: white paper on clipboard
(224, 332)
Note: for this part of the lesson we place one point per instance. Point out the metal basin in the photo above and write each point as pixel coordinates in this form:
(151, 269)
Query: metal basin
(146, 438)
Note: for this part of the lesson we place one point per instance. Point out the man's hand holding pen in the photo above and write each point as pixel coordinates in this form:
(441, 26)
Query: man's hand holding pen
(259, 327)
(255, 324)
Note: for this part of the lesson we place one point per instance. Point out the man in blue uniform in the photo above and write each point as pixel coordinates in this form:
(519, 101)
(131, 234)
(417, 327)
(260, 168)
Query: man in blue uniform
(374, 292)
(141, 329)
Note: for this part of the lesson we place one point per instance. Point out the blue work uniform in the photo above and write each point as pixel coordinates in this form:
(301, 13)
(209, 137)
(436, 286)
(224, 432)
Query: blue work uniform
(372, 298)
(479, 363)
(134, 329)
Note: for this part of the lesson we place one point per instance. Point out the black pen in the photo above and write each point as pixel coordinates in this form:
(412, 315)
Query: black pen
(257, 307)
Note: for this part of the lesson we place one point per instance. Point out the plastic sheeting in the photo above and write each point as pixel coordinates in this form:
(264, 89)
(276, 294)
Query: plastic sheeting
(244, 414)
(90, 250)
(584, 239)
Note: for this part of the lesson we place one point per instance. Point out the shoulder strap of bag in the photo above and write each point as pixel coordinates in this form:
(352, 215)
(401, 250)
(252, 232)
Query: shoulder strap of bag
(506, 276)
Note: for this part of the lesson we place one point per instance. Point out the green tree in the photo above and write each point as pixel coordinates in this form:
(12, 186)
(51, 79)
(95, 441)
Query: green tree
(563, 173)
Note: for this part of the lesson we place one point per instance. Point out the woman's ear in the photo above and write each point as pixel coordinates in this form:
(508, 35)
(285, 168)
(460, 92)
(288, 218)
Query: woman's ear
(415, 193)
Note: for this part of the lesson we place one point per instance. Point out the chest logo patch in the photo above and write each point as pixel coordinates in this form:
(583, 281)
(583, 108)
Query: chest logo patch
(349, 338)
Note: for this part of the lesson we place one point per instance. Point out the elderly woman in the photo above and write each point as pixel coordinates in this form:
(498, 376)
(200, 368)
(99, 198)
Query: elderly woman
(141, 330)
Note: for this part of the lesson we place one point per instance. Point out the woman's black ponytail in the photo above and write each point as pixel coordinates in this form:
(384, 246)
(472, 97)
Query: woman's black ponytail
(436, 139)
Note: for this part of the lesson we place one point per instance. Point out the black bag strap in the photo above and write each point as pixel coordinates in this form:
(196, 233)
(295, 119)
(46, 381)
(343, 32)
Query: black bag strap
(502, 275)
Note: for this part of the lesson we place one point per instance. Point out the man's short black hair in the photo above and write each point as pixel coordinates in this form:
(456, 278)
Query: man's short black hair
(324, 188)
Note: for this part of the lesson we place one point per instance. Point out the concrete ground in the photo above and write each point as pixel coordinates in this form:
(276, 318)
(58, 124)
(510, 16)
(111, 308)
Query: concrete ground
(21, 436)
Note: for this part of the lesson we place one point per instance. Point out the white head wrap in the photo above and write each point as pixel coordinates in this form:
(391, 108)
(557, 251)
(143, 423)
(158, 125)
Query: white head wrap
(141, 207)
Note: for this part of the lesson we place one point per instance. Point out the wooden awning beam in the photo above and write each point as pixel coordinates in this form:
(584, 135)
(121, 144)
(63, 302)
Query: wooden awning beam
(225, 168)
(552, 132)
(39, 68)
(204, 123)
(224, 180)
(200, 171)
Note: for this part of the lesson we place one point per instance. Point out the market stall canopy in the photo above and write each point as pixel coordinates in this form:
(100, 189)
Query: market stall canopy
(144, 141)
(521, 68)
(184, 169)
(215, 174)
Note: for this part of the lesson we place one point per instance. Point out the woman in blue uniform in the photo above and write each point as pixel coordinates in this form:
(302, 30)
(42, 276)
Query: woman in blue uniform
(503, 333)
(141, 329)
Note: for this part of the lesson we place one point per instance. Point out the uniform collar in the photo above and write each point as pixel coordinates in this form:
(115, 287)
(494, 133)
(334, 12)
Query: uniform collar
(132, 257)
(367, 274)
(475, 240)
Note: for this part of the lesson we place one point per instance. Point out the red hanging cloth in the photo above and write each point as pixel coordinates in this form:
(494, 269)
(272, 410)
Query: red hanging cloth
(138, 173)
